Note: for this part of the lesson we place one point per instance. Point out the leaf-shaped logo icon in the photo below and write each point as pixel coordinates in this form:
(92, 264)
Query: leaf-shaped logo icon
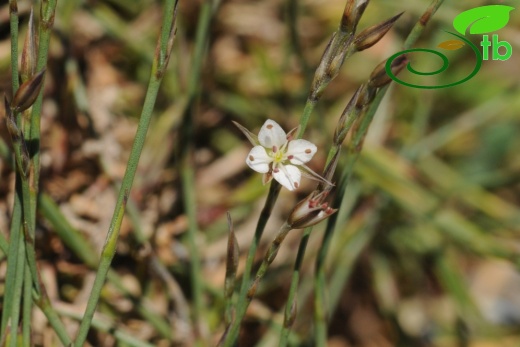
(451, 45)
(483, 19)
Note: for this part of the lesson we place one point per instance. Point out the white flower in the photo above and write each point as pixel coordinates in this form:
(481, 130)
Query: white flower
(276, 154)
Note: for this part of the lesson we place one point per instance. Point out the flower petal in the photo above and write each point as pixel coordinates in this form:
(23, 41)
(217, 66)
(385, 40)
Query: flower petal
(258, 160)
(271, 134)
(300, 151)
(288, 176)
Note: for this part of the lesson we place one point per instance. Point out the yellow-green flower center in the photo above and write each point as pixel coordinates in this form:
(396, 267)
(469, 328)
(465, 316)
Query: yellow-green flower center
(278, 157)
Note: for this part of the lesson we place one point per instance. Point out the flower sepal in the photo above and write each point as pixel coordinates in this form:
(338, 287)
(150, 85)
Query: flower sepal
(250, 136)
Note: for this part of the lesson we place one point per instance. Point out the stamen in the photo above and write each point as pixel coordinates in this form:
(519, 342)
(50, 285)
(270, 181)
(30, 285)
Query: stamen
(275, 149)
(290, 157)
(296, 184)
(308, 151)
(276, 170)
(269, 126)
(251, 158)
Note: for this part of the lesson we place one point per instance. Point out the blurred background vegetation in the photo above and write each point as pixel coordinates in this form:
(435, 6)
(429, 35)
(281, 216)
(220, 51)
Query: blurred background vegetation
(427, 251)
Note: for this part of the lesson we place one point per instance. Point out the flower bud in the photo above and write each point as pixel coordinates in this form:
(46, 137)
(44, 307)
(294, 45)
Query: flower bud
(346, 119)
(28, 92)
(352, 14)
(335, 54)
(310, 211)
(370, 36)
(13, 129)
(18, 139)
(29, 52)
(379, 77)
(366, 95)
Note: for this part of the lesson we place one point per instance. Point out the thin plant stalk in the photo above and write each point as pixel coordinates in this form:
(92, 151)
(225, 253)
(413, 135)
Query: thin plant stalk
(158, 69)
(22, 158)
(233, 254)
(75, 241)
(47, 11)
(342, 44)
(13, 26)
(16, 296)
(269, 257)
(274, 189)
(319, 297)
(12, 260)
(320, 313)
(28, 70)
(12, 257)
(241, 306)
(123, 337)
(14, 122)
(27, 307)
(295, 279)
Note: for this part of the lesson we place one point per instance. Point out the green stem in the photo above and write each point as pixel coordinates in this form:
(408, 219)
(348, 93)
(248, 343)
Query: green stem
(107, 254)
(44, 304)
(320, 319)
(13, 26)
(17, 294)
(268, 259)
(15, 260)
(354, 148)
(48, 8)
(74, 240)
(110, 327)
(307, 111)
(419, 27)
(12, 259)
(27, 307)
(295, 279)
(253, 284)
(232, 332)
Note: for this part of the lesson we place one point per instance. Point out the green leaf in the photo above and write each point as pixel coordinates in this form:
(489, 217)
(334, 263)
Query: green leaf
(482, 19)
